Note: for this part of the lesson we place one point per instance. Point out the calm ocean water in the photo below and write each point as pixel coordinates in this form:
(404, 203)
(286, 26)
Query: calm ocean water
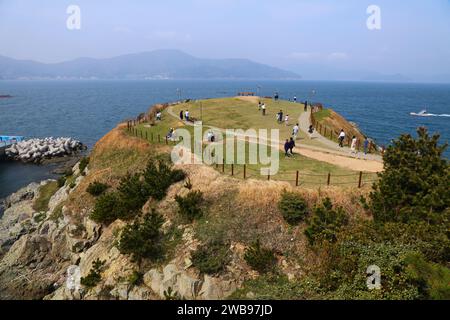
(86, 110)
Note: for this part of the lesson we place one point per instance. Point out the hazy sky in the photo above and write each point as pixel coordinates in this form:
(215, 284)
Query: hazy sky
(311, 37)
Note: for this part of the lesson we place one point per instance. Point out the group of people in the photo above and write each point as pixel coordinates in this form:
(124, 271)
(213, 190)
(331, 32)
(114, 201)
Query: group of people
(280, 118)
(262, 106)
(184, 115)
(354, 143)
(210, 136)
(289, 145)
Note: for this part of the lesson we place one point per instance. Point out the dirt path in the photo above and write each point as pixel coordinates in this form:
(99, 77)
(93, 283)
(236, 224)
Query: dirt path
(334, 156)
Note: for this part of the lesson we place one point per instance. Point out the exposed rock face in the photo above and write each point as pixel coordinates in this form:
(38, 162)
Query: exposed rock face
(45, 257)
(32, 252)
(183, 285)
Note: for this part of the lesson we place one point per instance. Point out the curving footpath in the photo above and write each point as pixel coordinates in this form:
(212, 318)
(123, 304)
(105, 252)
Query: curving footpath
(332, 154)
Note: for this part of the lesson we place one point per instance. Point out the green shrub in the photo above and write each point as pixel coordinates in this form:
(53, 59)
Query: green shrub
(260, 259)
(96, 188)
(293, 208)
(211, 258)
(159, 176)
(136, 278)
(72, 185)
(432, 280)
(61, 181)
(190, 206)
(108, 208)
(83, 164)
(276, 287)
(414, 183)
(94, 277)
(45, 193)
(143, 240)
(325, 223)
(132, 193)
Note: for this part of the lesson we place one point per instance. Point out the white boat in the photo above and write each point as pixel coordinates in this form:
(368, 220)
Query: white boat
(422, 113)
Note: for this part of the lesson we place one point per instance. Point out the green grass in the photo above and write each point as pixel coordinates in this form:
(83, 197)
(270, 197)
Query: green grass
(234, 113)
(45, 193)
(322, 114)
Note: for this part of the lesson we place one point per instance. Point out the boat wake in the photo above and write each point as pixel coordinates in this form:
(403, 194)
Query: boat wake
(424, 113)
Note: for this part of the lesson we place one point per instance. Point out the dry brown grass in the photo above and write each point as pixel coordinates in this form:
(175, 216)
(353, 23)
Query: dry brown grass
(113, 156)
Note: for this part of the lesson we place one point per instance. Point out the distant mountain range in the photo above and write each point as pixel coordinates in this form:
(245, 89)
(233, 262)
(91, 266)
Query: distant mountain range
(160, 64)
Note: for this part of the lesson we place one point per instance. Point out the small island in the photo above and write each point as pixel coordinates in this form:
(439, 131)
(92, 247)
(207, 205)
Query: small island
(126, 223)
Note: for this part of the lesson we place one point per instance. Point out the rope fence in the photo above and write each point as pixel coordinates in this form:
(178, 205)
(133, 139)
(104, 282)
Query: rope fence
(244, 171)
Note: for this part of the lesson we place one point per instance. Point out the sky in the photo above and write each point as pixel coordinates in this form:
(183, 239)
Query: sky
(319, 39)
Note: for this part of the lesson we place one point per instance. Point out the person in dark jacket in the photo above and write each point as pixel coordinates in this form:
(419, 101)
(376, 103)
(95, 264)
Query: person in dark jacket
(287, 145)
(181, 114)
(291, 145)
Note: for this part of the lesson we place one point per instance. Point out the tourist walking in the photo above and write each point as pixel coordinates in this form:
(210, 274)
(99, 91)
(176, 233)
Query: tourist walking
(263, 107)
(353, 145)
(291, 145)
(306, 106)
(158, 116)
(186, 115)
(280, 118)
(286, 120)
(341, 138)
(295, 131)
(311, 131)
(287, 146)
(276, 96)
(366, 145)
(295, 99)
(181, 115)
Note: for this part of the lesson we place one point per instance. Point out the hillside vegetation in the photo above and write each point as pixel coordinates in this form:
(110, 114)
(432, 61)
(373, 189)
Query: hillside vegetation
(298, 243)
(139, 227)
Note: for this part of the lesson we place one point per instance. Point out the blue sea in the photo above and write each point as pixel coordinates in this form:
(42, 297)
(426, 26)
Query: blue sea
(86, 110)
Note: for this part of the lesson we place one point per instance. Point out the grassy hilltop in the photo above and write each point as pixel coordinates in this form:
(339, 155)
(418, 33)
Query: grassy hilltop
(242, 113)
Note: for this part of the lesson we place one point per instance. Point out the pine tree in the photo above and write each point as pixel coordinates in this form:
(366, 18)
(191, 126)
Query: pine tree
(415, 183)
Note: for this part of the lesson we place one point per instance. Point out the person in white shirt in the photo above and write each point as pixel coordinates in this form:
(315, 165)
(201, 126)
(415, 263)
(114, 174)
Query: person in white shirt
(353, 145)
(210, 135)
(295, 131)
(263, 108)
(286, 120)
(158, 116)
(186, 115)
(341, 138)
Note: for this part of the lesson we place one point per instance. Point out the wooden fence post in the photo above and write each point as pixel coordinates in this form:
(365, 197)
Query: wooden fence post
(296, 179)
(232, 169)
(245, 171)
(167, 141)
(329, 179)
(360, 179)
(268, 176)
(223, 166)
(159, 138)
